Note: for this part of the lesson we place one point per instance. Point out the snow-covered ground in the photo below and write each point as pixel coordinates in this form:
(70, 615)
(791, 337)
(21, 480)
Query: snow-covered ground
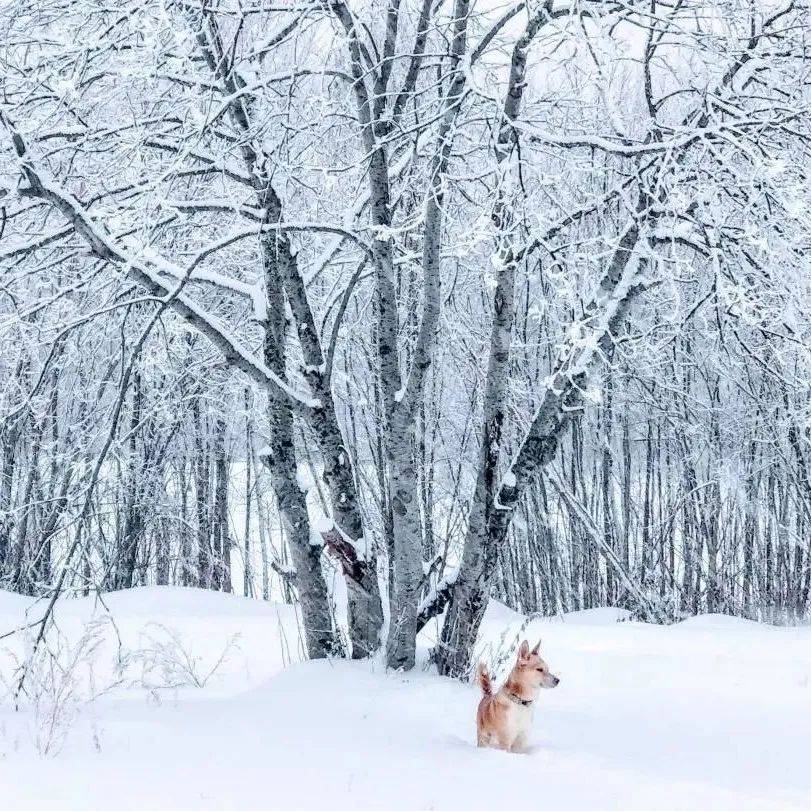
(713, 713)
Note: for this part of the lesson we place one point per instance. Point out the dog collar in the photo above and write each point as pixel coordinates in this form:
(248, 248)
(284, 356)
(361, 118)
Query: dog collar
(524, 702)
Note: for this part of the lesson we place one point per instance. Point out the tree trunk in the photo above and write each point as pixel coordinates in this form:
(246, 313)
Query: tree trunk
(222, 539)
(202, 486)
(280, 459)
(495, 504)
(133, 519)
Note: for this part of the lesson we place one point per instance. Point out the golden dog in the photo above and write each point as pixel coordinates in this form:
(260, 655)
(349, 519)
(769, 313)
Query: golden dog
(504, 718)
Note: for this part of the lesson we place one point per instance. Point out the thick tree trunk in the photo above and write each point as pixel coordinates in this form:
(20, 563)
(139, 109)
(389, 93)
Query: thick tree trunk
(562, 397)
(280, 460)
(407, 542)
(471, 590)
(400, 396)
(347, 543)
(354, 551)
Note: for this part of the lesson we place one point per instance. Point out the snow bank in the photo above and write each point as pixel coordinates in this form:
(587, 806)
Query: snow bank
(257, 638)
(704, 715)
(12, 605)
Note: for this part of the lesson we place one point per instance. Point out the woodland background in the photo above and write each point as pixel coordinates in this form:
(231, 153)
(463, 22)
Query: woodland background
(387, 306)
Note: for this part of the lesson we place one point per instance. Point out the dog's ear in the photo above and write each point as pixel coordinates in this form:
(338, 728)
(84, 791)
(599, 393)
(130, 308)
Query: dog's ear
(523, 650)
(537, 647)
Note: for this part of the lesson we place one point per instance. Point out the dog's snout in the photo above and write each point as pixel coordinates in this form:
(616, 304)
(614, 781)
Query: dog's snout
(555, 681)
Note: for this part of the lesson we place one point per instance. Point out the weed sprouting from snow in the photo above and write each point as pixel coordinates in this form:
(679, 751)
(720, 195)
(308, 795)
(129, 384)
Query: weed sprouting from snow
(60, 682)
(66, 675)
(167, 662)
(498, 655)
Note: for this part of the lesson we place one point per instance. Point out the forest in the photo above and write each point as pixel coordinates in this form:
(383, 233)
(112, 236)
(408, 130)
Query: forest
(384, 308)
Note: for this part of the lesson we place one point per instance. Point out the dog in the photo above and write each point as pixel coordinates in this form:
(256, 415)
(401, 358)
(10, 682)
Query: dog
(504, 718)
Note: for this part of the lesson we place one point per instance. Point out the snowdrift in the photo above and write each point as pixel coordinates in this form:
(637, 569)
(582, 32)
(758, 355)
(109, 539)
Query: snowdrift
(712, 713)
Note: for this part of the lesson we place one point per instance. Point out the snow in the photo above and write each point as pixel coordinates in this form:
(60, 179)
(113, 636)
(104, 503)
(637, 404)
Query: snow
(128, 255)
(710, 713)
(304, 478)
(323, 523)
(266, 635)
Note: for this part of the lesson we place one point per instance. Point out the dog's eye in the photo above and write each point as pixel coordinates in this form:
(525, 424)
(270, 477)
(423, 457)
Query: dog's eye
(540, 670)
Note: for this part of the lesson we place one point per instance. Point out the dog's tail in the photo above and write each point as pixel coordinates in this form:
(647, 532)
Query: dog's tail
(483, 678)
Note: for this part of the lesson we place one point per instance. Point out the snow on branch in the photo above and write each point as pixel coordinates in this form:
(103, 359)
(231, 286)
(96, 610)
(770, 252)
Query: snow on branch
(146, 271)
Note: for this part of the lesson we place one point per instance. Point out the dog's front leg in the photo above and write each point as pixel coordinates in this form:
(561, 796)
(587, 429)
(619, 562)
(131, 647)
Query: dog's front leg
(520, 743)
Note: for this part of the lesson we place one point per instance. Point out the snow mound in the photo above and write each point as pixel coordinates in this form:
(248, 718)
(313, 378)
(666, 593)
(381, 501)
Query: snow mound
(691, 716)
(154, 602)
(499, 615)
(254, 639)
(723, 622)
(12, 605)
(591, 616)
(165, 602)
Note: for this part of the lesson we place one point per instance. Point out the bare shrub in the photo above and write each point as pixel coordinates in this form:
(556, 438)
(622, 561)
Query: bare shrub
(166, 662)
(60, 682)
